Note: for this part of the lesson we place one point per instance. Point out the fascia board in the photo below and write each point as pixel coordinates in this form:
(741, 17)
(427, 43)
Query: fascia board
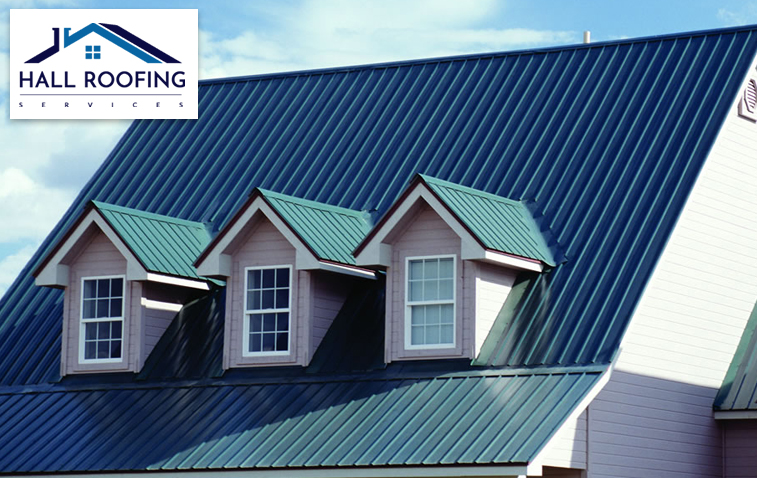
(217, 262)
(55, 274)
(377, 252)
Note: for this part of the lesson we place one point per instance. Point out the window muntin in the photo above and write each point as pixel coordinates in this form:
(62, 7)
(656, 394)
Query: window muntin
(430, 302)
(268, 298)
(102, 319)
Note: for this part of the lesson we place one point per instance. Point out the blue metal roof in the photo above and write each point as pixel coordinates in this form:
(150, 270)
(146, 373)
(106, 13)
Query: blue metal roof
(605, 139)
(275, 424)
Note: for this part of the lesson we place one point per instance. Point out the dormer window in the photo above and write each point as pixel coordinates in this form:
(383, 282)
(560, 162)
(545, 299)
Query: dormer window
(430, 318)
(452, 255)
(268, 307)
(125, 274)
(288, 267)
(102, 319)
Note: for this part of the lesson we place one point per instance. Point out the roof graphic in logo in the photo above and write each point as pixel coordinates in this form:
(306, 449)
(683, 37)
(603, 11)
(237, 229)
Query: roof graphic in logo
(113, 33)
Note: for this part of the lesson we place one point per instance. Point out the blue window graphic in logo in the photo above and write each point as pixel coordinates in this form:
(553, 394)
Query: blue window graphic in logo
(89, 55)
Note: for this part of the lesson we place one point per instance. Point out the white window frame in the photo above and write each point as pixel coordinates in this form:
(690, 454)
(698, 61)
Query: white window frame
(246, 314)
(83, 322)
(409, 304)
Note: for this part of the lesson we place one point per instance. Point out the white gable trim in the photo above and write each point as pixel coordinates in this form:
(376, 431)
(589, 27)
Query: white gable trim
(56, 273)
(378, 252)
(217, 262)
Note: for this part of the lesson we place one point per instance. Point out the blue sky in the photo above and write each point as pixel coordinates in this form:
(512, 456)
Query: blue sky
(43, 164)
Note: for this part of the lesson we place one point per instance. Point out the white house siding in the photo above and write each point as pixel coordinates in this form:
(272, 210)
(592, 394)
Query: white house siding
(493, 284)
(426, 235)
(567, 448)
(654, 417)
(264, 246)
(98, 258)
(740, 448)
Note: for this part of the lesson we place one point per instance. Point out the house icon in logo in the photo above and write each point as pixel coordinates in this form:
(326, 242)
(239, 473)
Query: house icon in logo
(114, 34)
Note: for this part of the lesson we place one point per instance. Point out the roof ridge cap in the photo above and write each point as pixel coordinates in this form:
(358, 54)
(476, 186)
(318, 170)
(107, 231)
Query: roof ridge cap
(146, 214)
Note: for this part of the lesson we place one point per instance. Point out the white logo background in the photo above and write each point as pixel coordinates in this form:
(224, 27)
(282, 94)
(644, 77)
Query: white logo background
(173, 32)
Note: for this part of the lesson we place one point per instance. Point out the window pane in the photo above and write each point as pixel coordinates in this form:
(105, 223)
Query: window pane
(89, 309)
(416, 336)
(90, 350)
(254, 279)
(282, 341)
(256, 323)
(269, 322)
(115, 308)
(282, 322)
(431, 290)
(103, 349)
(115, 328)
(90, 331)
(103, 330)
(116, 287)
(416, 270)
(103, 308)
(432, 314)
(103, 288)
(416, 290)
(282, 299)
(417, 314)
(256, 343)
(445, 289)
(445, 268)
(431, 269)
(268, 299)
(115, 349)
(432, 334)
(269, 278)
(446, 334)
(282, 278)
(90, 289)
(447, 314)
(269, 342)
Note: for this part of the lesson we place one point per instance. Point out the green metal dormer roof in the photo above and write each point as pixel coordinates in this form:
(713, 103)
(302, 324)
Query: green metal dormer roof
(162, 244)
(330, 232)
(500, 224)
(739, 388)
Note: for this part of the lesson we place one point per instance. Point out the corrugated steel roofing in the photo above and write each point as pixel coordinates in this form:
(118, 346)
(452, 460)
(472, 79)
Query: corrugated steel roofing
(162, 244)
(458, 419)
(500, 224)
(606, 139)
(331, 232)
(739, 389)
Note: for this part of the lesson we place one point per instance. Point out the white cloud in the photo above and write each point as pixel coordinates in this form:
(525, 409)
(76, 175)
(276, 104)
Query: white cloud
(340, 32)
(30, 209)
(747, 14)
(11, 265)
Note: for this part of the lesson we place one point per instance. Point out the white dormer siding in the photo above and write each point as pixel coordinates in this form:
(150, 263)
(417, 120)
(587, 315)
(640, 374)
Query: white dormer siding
(493, 284)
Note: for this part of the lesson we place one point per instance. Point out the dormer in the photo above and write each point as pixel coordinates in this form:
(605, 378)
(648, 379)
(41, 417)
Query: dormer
(288, 267)
(452, 255)
(125, 274)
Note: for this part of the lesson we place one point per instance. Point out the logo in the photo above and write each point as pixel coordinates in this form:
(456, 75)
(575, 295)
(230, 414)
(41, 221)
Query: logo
(103, 64)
